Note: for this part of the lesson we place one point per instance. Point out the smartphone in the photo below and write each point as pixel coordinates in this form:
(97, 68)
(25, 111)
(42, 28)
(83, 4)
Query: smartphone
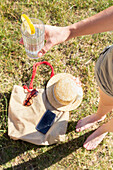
(46, 122)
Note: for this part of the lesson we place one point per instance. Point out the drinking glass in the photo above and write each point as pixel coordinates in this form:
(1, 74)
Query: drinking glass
(35, 42)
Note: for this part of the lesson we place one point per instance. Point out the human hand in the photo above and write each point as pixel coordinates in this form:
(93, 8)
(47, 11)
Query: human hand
(53, 36)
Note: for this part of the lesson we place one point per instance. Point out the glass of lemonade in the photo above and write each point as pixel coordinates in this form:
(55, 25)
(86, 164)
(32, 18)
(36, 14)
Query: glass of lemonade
(35, 42)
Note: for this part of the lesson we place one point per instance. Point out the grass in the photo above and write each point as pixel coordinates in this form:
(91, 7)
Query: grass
(78, 57)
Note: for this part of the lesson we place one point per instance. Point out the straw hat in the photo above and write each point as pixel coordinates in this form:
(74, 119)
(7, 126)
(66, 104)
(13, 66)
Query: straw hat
(63, 92)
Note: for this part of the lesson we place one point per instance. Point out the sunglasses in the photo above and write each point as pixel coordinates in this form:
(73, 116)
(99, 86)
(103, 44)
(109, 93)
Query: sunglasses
(29, 97)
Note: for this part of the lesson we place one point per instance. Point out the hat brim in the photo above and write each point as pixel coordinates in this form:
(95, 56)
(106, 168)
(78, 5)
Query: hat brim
(53, 102)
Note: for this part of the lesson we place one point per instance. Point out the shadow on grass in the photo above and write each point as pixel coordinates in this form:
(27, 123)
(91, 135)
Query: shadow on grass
(44, 160)
(10, 149)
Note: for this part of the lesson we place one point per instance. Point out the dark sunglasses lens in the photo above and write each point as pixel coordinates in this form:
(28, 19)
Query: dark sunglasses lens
(29, 101)
(34, 93)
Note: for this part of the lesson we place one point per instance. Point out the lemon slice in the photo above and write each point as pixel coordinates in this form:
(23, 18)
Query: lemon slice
(27, 24)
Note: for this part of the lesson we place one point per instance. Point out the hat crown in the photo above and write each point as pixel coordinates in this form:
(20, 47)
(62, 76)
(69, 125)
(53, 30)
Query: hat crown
(65, 90)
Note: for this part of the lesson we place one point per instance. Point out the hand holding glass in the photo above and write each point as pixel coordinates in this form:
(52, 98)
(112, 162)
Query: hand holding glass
(35, 42)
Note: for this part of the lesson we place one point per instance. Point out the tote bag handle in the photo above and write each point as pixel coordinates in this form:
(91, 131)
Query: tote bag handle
(34, 73)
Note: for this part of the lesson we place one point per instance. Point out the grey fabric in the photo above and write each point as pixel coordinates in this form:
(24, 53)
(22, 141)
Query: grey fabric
(104, 71)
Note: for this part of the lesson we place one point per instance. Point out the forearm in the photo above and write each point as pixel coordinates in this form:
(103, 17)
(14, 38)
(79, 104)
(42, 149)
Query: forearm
(100, 22)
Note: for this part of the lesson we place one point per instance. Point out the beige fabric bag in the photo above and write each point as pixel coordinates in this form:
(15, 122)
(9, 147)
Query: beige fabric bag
(22, 120)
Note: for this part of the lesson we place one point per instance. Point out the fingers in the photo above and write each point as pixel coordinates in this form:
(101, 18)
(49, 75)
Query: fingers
(21, 41)
(46, 48)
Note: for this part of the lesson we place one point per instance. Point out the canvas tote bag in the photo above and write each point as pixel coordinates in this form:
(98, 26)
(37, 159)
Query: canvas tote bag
(22, 120)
